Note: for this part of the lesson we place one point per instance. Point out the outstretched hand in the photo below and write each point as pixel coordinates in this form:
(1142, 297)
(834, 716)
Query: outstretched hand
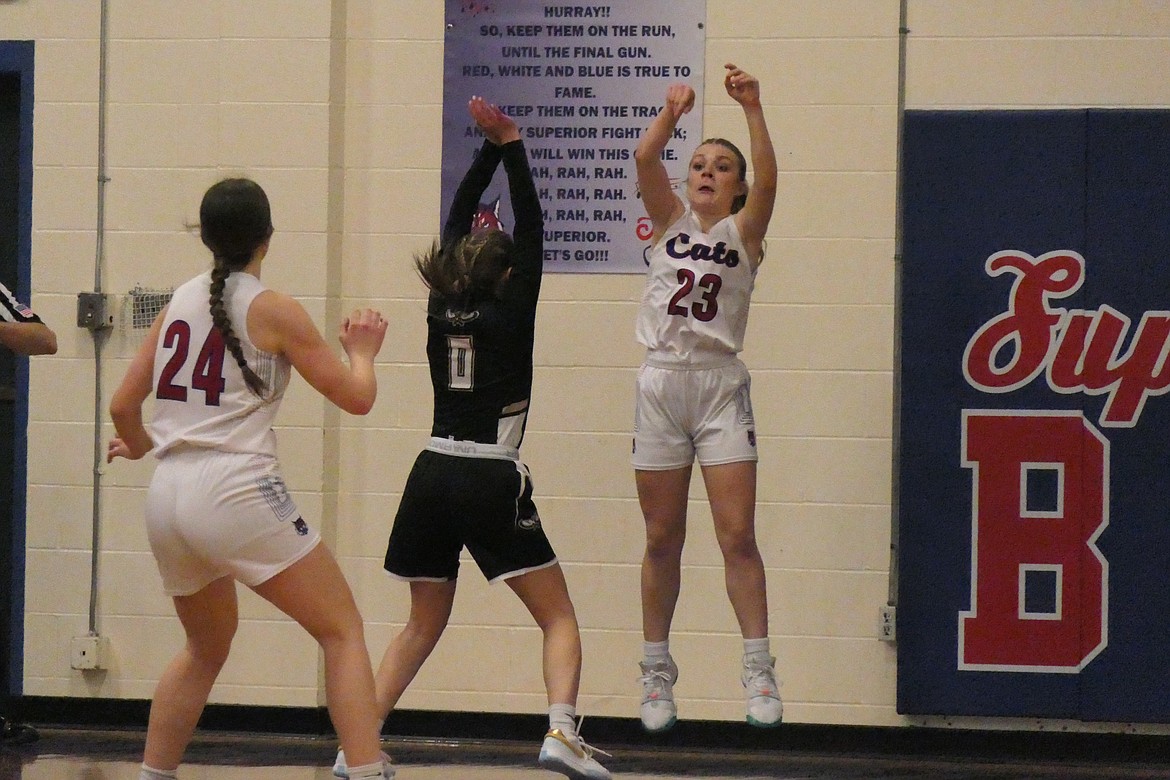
(362, 333)
(495, 124)
(744, 88)
(680, 98)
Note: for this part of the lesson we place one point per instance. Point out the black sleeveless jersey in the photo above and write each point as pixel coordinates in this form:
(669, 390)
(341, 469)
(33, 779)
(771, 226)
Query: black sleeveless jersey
(480, 351)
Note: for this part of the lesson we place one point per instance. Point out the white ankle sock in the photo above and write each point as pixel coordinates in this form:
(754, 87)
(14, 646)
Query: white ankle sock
(656, 652)
(563, 717)
(147, 773)
(757, 649)
(367, 772)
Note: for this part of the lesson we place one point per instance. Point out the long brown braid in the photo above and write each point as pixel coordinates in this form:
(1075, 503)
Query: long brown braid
(234, 221)
(223, 323)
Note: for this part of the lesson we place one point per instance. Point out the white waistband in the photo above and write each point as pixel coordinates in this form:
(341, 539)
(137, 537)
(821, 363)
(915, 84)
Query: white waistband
(664, 359)
(472, 449)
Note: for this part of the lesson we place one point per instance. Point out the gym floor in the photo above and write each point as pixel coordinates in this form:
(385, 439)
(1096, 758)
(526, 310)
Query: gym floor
(85, 754)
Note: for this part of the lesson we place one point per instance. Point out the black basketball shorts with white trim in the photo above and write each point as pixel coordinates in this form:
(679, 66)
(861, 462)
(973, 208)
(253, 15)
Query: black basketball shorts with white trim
(451, 502)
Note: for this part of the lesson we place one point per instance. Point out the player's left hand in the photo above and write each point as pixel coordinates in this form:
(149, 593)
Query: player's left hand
(743, 87)
(495, 124)
(362, 332)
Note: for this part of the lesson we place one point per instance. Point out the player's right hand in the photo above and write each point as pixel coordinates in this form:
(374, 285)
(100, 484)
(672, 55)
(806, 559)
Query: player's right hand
(118, 449)
(680, 98)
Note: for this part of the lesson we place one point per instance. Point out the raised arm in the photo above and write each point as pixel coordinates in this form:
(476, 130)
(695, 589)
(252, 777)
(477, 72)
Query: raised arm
(528, 234)
(475, 181)
(278, 323)
(522, 190)
(502, 132)
(662, 205)
(752, 220)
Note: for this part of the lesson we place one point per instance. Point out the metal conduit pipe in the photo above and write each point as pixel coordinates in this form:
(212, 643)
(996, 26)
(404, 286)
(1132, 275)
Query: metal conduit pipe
(93, 314)
(895, 494)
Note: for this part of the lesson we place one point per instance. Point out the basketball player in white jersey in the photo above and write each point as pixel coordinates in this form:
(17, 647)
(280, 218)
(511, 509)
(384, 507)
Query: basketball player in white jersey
(693, 392)
(216, 362)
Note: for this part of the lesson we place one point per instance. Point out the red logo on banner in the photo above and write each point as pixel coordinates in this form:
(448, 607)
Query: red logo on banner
(1012, 541)
(1078, 351)
(1023, 556)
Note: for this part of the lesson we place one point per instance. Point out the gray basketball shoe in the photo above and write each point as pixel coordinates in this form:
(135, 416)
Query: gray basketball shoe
(658, 710)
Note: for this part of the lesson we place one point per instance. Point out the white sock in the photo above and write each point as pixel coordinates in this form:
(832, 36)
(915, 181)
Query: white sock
(148, 773)
(367, 772)
(563, 717)
(757, 649)
(656, 652)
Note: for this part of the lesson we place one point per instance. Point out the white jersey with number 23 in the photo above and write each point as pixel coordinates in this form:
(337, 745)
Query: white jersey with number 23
(694, 307)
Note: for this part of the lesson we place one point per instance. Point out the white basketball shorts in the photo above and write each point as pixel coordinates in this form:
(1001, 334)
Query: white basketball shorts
(687, 414)
(210, 514)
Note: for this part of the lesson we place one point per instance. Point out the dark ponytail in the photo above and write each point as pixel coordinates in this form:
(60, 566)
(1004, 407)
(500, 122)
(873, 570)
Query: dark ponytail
(470, 268)
(234, 221)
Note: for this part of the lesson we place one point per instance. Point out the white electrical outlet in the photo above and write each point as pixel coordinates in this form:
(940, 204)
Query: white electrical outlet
(86, 652)
(888, 624)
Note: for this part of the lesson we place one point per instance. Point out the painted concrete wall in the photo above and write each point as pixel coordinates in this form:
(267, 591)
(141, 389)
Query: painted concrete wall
(335, 108)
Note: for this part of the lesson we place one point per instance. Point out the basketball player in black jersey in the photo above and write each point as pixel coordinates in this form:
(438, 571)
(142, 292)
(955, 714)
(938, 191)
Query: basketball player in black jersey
(468, 488)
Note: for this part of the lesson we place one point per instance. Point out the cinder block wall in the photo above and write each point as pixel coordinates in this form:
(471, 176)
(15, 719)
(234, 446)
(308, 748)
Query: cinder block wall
(335, 108)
